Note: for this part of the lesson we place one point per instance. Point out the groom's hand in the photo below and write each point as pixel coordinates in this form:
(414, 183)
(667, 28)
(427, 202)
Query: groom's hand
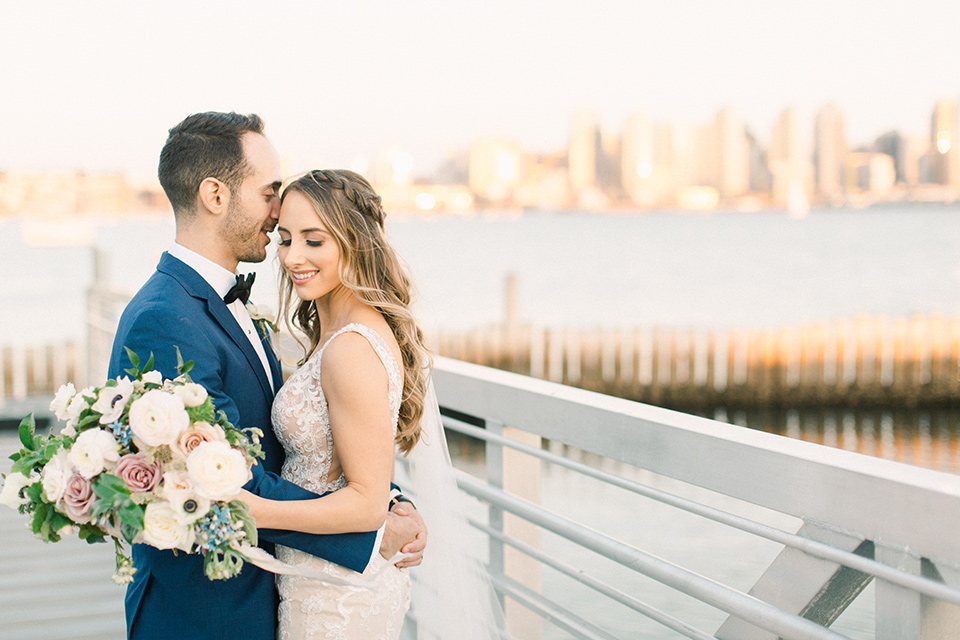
(416, 546)
(402, 531)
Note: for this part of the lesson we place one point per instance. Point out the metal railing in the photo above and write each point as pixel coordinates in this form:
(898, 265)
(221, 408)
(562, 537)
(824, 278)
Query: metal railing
(860, 519)
(837, 521)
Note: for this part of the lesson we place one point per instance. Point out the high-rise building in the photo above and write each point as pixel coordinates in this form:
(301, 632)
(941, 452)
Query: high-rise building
(494, 170)
(894, 145)
(731, 160)
(871, 171)
(646, 161)
(585, 153)
(789, 164)
(829, 153)
(945, 143)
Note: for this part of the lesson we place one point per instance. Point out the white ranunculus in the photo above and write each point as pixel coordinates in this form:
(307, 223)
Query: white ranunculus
(93, 451)
(157, 418)
(152, 377)
(217, 471)
(62, 400)
(112, 400)
(75, 408)
(12, 485)
(55, 474)
(192, 394)
(162, 530)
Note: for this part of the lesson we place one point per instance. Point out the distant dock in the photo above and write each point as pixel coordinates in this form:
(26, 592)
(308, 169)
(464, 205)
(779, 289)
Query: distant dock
(862, 362)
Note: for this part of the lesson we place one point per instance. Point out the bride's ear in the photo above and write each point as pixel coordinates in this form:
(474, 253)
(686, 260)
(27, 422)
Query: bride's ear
(214, 196)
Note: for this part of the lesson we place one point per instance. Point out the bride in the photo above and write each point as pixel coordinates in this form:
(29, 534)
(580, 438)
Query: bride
(340, 429)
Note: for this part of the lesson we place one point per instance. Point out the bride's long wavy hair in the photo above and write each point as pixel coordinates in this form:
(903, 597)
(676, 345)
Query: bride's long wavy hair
(369, 267)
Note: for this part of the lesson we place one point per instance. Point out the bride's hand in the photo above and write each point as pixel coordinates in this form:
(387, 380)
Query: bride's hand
(252, 501)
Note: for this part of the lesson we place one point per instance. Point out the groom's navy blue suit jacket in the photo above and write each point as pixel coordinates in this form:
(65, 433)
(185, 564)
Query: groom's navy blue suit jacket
(170, 596)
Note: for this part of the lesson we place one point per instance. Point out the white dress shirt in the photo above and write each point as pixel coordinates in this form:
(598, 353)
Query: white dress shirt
(221, 281)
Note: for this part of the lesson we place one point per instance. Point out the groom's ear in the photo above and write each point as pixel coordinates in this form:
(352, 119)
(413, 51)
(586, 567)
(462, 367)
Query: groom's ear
(214, 196)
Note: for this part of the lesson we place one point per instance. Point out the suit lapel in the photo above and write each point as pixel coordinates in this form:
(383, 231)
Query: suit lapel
(197, 287)
(275, 368)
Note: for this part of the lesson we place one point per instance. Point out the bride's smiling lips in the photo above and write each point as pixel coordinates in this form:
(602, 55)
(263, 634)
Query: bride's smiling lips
(301, 277)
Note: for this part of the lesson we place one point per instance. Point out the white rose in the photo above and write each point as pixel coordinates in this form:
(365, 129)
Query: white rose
(217, 471)
(162, 530)
(112, 400)
(55, 474)
(152, 377)
(157, 418)
(192, 394)
(93, 451)
(62, 400)
(13, 485)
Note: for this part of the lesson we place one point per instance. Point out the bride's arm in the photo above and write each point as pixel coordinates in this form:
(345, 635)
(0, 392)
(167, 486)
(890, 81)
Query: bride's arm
(355, 385)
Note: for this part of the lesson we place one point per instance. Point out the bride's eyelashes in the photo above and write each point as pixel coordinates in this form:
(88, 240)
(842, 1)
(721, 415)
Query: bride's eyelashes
(309, 243)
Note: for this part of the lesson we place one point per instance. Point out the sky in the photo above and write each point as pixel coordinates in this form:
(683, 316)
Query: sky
(94, 86)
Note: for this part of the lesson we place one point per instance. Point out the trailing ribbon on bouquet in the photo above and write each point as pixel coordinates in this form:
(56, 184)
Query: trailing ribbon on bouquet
(267, 562)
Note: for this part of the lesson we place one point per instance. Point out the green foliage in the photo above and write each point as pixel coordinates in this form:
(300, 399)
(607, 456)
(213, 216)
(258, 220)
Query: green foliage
(203, 413)
(28, 427)
(47, 521)
(113, 495)
(240, 510)
(90, 533)
(221, 564)
(183, 368)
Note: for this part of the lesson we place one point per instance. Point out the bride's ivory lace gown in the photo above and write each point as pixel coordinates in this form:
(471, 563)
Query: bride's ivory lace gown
(311, 609)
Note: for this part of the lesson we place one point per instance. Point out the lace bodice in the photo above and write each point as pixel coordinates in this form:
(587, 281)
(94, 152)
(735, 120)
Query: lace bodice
(302, 423)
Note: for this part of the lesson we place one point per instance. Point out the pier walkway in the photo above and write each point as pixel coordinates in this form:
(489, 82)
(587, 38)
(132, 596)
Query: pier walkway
(603, 518)
(822, 523)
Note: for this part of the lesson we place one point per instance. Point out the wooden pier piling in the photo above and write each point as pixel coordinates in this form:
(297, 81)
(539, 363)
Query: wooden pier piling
(864, 362)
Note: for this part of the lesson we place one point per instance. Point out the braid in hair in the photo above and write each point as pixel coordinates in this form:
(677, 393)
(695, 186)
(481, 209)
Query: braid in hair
(352, 212)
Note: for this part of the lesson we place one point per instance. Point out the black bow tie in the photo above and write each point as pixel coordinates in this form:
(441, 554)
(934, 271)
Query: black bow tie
(241, 290)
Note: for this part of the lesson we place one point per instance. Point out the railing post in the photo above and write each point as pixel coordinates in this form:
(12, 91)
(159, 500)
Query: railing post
(898, 610)
(940, 619)
(494, 463)
(518, 474)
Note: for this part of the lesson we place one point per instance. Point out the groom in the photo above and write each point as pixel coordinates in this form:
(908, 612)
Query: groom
(222, 177)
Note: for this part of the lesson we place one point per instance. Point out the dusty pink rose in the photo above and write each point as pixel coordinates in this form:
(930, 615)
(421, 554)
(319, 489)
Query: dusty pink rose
(77, 498)
(139, 474)
(200, 432)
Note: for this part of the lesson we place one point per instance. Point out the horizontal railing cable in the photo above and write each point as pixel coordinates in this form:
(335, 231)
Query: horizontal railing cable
(570, 622)
(815, 548)
(614, 594)
(741, 605)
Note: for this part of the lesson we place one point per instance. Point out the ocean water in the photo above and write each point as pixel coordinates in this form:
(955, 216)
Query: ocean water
(719, 270)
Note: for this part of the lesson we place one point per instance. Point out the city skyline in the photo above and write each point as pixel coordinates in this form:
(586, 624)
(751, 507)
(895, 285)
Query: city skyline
(95, 86)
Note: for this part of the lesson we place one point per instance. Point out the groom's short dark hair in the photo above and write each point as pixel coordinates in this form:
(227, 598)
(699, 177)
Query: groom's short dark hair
(204, 145)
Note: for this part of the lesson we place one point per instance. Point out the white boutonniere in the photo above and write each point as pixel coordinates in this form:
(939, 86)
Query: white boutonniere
(263, 318)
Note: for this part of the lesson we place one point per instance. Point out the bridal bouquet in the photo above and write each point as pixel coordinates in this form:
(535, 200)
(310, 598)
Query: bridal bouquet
(141, 460)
